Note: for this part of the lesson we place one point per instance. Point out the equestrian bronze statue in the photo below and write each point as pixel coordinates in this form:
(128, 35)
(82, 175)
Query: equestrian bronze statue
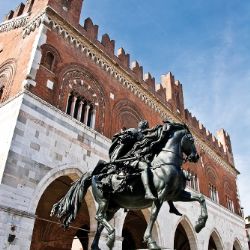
(144, 171)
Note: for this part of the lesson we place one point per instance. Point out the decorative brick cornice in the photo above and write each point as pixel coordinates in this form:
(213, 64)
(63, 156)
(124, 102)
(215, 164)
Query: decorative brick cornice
(14, 23)
(34, 23)
(106, 63)
(214, 156)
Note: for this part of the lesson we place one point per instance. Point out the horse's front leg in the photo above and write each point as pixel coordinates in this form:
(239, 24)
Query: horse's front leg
(190, 196)
(148, 233)
(95, 242)
(102, 213)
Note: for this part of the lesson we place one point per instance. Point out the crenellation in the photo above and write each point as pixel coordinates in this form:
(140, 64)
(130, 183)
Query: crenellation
(137, 69)
(202, 129)
(208, 135)
(225, 141)
(9, 16)
(108, 44)
(177, 83)
(168, 82)
(150, 81)
(44, 142)
(123, 57)
(19, 10)
(193, 121)
(161, 92)
(92, 30)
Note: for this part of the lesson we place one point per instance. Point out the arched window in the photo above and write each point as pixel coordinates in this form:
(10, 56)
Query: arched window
(230, 204)
(49, 61)
(81, 109)
(193, 182)
(50, 57)
(213, 193)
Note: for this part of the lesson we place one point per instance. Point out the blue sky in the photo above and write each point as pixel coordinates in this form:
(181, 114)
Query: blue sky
(205, 44)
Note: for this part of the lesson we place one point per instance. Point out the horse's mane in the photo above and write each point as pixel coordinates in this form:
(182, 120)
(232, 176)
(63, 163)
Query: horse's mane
(179, 126)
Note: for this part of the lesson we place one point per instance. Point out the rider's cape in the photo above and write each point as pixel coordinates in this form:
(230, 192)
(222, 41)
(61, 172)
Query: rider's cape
(135, 151)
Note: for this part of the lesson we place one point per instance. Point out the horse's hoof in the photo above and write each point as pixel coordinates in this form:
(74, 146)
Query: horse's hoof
(153, 246)
(200, 223)
(111, 240)
(198, 228)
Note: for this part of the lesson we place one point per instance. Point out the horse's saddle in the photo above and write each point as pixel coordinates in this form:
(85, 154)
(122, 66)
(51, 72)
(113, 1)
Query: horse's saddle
(116, 181)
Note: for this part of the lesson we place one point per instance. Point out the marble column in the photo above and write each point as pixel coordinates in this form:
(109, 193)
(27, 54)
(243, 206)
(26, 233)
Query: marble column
(72, 109)
(79, 113)
(86, 114)
(92, 125)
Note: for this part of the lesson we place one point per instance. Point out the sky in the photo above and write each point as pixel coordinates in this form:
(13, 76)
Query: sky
(205, 44)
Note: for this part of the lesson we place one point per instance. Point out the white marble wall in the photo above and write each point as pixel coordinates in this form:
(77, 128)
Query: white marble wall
(41, 144)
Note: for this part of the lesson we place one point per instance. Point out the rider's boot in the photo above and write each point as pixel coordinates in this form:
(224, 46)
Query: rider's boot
(145, 181)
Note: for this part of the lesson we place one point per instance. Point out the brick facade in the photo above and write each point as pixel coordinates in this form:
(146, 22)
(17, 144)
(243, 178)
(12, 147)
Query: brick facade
(44, 50)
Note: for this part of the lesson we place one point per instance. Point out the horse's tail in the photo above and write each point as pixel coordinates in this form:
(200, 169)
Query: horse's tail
(66, 209)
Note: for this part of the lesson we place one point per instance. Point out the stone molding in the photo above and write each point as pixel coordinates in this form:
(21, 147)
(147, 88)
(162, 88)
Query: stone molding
(17, 212)
(34, 23)
(14, 23)
(54, 22)
(7, 73)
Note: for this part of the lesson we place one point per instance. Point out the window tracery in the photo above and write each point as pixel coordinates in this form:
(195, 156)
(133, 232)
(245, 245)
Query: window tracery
(213, 193)
(82, 97)
(193, 182)
(81, 109)
(229, 203)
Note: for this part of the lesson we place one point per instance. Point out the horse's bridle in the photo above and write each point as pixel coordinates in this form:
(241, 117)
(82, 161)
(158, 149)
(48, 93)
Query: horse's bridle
(184, 159)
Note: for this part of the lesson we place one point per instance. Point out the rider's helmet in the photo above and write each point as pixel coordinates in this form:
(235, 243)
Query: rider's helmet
(143, 125)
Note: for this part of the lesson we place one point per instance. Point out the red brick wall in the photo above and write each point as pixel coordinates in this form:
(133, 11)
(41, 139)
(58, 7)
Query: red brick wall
(125, 109)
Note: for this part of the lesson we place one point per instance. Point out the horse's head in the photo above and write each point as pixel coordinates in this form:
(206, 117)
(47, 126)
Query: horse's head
(188, 146)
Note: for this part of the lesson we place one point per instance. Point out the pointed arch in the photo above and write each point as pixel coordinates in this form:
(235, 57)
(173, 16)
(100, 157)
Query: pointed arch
(186, 224)
(216, 239)
(237, 245)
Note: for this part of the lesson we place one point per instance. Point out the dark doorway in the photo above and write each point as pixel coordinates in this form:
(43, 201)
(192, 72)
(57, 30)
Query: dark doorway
(133, 231)
(181, 241)
(47, 233)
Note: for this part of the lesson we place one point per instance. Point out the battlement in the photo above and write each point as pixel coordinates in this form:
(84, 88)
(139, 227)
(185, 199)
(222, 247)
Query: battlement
(169, 91)
(15, 13)
(221, 144)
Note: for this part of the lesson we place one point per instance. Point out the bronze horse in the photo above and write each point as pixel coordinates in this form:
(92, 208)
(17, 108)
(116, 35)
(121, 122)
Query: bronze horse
(168, 181)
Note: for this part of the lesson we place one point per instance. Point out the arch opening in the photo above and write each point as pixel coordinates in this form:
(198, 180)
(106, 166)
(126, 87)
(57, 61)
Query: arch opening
(214, 242)
(181, 241)
(48, 234)
(236, 245)
(133, 231)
